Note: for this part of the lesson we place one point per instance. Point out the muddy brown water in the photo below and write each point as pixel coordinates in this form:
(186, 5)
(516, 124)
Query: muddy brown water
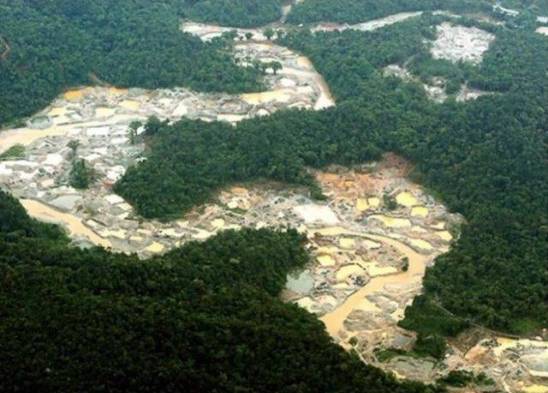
(417, 266)
(73, 224)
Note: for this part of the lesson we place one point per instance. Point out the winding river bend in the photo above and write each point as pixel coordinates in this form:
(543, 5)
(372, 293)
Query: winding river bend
(417, 267)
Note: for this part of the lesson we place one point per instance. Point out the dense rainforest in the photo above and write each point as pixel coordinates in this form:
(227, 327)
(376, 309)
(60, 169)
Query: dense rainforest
(485, 158)
(236, 13)
(57, 44)
(202, 318)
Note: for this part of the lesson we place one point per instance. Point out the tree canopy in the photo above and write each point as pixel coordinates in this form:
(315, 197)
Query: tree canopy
(58, 44)
(201, 318)
(236, 13)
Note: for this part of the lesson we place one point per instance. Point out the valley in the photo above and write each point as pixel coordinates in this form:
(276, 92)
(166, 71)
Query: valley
(370, 242)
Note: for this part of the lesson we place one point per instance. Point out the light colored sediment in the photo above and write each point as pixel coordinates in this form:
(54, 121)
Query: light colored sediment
(315, 213)
(296, 85)
(460, 43)
(360, 259)
(209, 32)
(294, 66)
(435, 89)
(467, 93)
(392, 222)
(74, 225)
(406, 199)
(518, 365)
(366, 26)
(535, 388)
(25, 136)
(542, 30)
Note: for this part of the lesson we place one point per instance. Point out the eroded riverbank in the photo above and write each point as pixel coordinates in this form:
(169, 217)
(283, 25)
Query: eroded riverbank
(356, 281)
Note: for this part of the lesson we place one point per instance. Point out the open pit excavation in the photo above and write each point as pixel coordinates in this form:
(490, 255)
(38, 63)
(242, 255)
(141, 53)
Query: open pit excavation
(368, 257)
(75, 227)
(355, 282)
(297, 85)
(369, 25)
(254, 44)
(98, 119)
(363, 303)
(454, 43)
(459, 43)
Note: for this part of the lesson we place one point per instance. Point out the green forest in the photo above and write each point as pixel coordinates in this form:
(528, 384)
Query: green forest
(203, 318)
(58, 44)
(486, 158)
(235, 13)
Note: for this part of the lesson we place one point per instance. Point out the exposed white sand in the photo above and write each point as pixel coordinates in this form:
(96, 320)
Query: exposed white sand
(459, 43)
(369, 25)
(316, 214)
(543, 30)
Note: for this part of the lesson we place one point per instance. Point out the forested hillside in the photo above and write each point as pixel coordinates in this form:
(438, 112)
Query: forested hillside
(202, 318)
(57, 44)
(237, 13)
(485, 158)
